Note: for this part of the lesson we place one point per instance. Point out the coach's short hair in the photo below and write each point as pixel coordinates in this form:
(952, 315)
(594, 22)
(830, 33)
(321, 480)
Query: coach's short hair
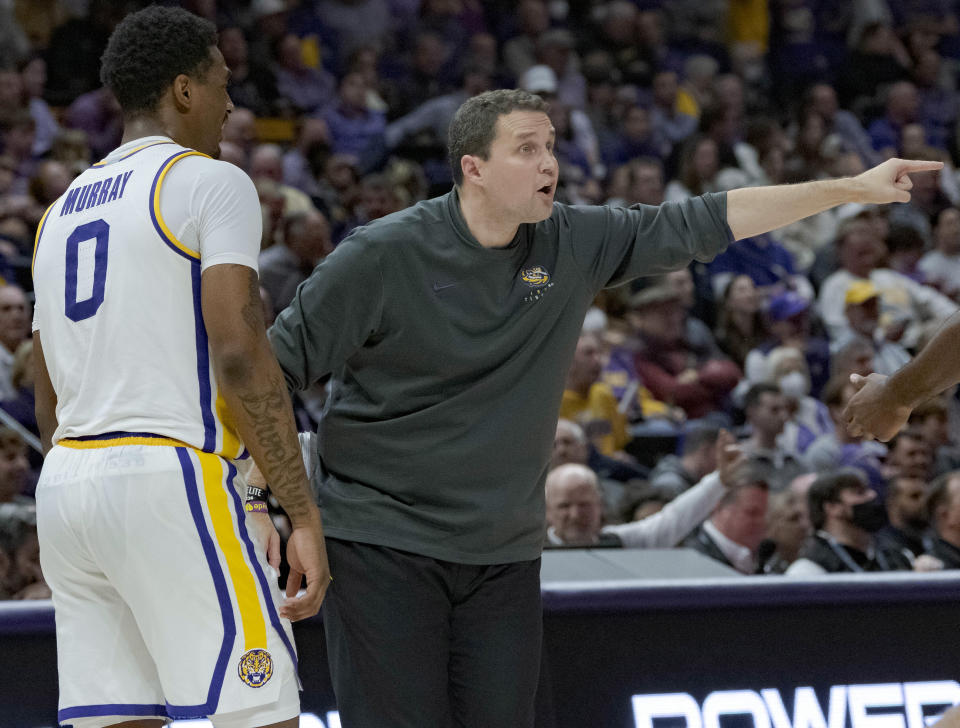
(149, 49)
(474, 126)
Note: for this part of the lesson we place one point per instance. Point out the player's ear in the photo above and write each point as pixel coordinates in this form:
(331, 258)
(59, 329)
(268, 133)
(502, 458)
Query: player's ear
(181, 91)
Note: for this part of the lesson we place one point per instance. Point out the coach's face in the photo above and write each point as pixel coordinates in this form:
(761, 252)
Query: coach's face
(520, 176)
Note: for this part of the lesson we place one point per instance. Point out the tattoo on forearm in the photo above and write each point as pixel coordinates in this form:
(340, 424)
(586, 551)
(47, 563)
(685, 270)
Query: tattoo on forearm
(252, 310)
(282, 464)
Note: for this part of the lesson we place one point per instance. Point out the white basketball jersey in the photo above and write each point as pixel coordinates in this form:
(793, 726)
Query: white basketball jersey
(118, 303)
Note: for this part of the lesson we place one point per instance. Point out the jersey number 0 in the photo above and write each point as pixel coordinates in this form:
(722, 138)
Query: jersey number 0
(99, 231)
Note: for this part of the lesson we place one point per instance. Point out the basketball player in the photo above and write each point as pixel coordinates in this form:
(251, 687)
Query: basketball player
(154, 375)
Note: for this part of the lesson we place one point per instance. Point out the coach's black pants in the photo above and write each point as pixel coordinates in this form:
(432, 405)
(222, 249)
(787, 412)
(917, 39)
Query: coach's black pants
(419, 643)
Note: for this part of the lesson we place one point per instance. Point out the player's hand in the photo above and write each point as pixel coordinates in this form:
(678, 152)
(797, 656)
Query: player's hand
(870, 412)
(890, 181)
(261, 524)
(307, 556)
(730, 458)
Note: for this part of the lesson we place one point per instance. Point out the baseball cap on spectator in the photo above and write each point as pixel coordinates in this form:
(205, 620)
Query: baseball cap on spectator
(860, 292)
(539, 80)
(787, 305)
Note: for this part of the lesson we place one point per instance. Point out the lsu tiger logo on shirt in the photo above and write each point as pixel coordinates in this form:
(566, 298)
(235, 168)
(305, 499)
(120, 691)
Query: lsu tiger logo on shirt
(535, 277)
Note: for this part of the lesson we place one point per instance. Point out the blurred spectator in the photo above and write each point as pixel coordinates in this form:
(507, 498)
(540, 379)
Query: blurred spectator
(941, 266)
(734, 531)
(27, 574)
(307, 89)
(878, 60)
(570, 445)
(788, 526)
(905, 301)
(16, 509)
(14, 43)
(303, 163)
(636, 137)
(14, 330)
(931, 420)
(50, 181)
(429, 74)
(907, 530)
(902, 106)
(638, 182)
(790, 325)
(251, 85)
(353, 23)
(16, 139)
(283, 267)
(266, 163)
(97, 114)
(575, 516)
(699, 169)
(822, 99)
(938, 100)
(740, 323)
(862, 311)
(555, 50)
(846, 514)
(352, 125)
(21, 405)
(766, 410)
(667, 119)
(73, 57)
(694, 379)
(809, 418)
(241, 129)
(905, 247)
(674, 474)
(519, 52)
(589, 402)
(33, 74)
(943, 509)
(909, 455)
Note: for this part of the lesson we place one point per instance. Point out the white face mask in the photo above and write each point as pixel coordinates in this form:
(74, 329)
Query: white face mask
(794, 384)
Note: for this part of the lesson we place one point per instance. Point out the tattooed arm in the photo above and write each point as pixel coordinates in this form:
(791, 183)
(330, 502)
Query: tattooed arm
(256, 395)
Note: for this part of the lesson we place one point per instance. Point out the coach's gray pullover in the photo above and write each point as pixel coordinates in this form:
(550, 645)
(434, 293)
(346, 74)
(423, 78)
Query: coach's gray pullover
(448, 362)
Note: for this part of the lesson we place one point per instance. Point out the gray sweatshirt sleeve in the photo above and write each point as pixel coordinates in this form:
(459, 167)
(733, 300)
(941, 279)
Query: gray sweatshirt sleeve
(676, 520)
(616, 244)
(334, 312)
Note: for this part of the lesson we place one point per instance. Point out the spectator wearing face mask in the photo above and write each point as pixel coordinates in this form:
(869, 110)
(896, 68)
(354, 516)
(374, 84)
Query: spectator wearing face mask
(846, 515)
(809, 417)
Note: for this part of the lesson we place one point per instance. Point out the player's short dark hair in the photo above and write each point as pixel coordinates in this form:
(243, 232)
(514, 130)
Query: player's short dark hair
(938, 493)
(827, 489)
(474, 126)
(149, 49)
(757, 391)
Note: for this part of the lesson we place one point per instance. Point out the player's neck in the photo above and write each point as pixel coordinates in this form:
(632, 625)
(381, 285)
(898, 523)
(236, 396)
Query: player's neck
(145, 126)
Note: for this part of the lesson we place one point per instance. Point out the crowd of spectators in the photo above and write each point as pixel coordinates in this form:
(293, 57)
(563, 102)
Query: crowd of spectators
(341, 114)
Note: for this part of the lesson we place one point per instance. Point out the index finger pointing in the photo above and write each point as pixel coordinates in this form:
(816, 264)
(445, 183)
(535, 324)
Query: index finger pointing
(919, 165)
